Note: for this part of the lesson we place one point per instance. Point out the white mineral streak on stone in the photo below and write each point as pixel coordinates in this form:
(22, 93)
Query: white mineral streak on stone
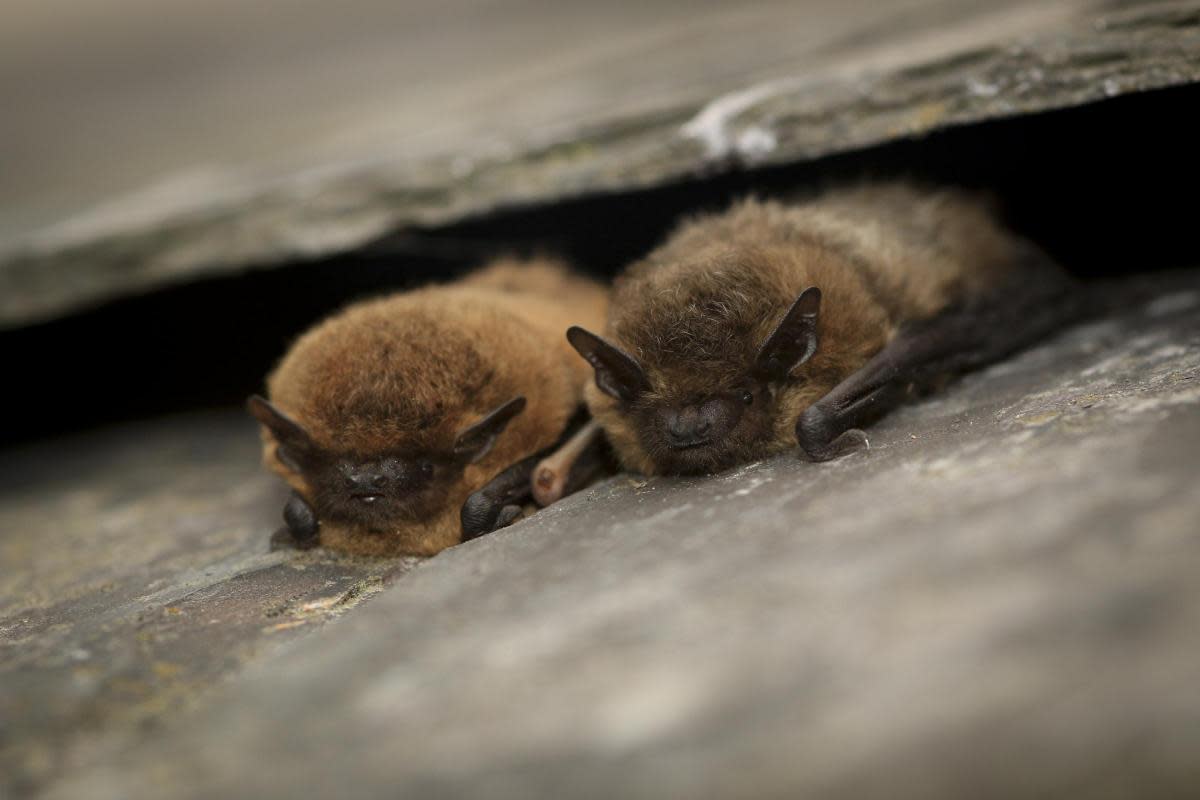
(980, 88)
(712, 125)
(756, 142)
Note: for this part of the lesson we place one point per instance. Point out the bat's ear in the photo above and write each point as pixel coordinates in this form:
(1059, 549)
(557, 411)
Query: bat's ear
(473, 443)
(794, 339)
(295, 445)
(618, 375)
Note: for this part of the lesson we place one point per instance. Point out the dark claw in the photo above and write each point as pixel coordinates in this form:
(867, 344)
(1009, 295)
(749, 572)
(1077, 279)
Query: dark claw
(508, 515)
(824, 434)
(499, 502)
(850, 441)
(818, 435)
(302, 526)
(483, 514)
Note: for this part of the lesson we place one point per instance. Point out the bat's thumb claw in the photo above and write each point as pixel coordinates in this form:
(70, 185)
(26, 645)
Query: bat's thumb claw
(482, 514)
(849, 441)
(508, 515)
(852, 441)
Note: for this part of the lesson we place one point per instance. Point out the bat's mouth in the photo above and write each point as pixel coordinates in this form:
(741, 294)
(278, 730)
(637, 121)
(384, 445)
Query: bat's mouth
(690, 444)
(700, 458)
(375, 509)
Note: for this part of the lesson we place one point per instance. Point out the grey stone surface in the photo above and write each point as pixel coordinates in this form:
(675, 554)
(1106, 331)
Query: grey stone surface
(1001, 598)
(134, 574)
(314, 133)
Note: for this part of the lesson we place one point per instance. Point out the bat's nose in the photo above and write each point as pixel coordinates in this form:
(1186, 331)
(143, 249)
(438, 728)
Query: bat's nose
(367, 482)
(688, 427)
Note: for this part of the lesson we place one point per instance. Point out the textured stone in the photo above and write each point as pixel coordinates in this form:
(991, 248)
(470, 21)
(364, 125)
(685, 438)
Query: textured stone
(820, 78)
(134, 574)
(1001, 598)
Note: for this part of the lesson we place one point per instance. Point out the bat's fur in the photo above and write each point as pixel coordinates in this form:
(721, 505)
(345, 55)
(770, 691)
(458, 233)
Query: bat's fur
(406, 373)
(694, 311)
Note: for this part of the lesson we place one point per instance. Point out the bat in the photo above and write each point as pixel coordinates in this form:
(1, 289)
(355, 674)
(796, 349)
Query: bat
(409, 423)
(775, 324)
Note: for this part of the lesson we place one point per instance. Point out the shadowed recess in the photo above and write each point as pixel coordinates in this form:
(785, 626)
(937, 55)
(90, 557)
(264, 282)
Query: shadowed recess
(1099, 186)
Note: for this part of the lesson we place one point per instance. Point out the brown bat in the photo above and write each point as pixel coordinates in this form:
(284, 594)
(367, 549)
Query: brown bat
(408, 423)
(774, 324)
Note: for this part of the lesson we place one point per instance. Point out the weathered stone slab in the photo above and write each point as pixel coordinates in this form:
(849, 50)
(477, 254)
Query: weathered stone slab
(1001, 598)
(642, 99)
(134, 574)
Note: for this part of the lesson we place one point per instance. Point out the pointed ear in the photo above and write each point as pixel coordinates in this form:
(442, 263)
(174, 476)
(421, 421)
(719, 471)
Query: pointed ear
(295, 445)
(473, 443)
(618, 375)
(794, 339)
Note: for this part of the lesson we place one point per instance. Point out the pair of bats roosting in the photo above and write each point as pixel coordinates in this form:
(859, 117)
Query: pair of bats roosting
(407, 424)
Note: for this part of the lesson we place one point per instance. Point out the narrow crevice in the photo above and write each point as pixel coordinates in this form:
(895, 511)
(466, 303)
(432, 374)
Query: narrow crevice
(1108, 189)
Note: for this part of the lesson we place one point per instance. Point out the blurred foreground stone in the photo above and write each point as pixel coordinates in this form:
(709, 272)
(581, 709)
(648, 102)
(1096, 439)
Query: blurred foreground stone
(1001, 598)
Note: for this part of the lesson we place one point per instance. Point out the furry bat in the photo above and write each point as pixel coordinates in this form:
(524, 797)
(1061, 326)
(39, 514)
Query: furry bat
(408, 423)
(773, 324)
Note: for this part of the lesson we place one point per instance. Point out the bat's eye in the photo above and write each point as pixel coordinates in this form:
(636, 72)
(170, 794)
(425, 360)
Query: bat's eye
(426, 469)
(747, 396)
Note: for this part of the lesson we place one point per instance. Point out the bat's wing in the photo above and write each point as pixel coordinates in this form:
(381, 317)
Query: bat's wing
(1038, 299)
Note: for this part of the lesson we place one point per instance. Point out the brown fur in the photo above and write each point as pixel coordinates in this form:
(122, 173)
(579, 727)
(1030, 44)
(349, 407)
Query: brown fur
(695, 310)
(407, 372)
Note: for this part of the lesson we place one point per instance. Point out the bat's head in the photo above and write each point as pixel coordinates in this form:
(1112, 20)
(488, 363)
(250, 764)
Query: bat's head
(392, 482)
(387, 416)
(699, 396)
